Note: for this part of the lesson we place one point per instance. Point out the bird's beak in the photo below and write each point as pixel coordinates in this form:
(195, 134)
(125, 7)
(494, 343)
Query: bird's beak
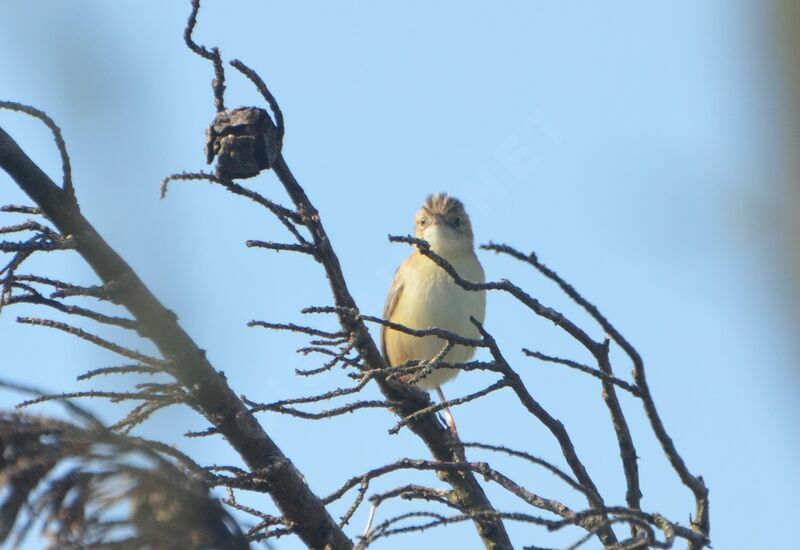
(438, 219)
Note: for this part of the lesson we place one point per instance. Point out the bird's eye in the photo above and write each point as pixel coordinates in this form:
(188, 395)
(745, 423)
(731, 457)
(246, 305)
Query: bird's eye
(422, 221)
(456, 222)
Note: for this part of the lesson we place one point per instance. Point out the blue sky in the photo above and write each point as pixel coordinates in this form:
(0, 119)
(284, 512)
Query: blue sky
(635, 148)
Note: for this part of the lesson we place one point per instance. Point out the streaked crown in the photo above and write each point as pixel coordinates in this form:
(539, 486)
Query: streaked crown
(444, 204)
(443, 210)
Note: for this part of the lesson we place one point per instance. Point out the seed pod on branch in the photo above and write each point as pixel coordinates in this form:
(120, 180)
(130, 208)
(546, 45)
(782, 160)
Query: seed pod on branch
(244, 141)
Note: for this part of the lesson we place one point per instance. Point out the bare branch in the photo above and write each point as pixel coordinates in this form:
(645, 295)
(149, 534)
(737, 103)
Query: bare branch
(339, 392)
(556, 428)
(627, 450)
(424, 368)
(64, 290)
(382, 530)
(468, 493)
(124, 369)
(17, 209)
(189, 363)
(265, 93)
(287, 217)
(530, 458)
(36, 298)
(695, 483)
(295, 328)
(432, 331)
(66, 169)
(244, 142)
(278, 247)
(212, 55)
(329, 413)
(506, 286)
(45, 245)
(94, 339)
(502, 383)
(30, 225)
(585, 369)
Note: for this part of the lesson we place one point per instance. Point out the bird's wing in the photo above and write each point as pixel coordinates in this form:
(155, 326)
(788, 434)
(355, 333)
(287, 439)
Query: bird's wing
(391, 303)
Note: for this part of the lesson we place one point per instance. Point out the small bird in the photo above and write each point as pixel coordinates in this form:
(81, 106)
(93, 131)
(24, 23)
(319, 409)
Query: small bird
(423, 295)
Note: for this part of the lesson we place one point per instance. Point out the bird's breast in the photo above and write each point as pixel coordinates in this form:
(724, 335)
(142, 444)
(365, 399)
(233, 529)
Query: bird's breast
(431, 298)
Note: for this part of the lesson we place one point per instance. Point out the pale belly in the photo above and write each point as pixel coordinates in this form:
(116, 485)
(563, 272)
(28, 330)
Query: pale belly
(432, 299)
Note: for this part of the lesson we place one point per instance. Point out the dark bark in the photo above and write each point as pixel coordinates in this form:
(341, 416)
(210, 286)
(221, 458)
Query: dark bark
(208, 388)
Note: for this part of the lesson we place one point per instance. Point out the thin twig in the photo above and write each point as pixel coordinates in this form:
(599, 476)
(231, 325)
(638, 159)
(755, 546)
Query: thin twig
(502, 383)
(94, 339)
(287, 217)
(530, 458)
(212, 55)
(66, 169)
(295, 328)
(265, 93)
(695, 484)
(585, 369)
(20, 209)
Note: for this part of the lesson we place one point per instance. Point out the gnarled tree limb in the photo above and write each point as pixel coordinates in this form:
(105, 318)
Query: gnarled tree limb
(208, 388)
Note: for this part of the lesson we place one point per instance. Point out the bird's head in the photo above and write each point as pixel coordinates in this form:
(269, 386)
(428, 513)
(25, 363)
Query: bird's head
(443, 222)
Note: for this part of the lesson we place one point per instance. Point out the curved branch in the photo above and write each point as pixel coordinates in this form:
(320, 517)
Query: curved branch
(66, 169)
(467, 491)
(208, 387)
(695, 483)
(212, 55)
